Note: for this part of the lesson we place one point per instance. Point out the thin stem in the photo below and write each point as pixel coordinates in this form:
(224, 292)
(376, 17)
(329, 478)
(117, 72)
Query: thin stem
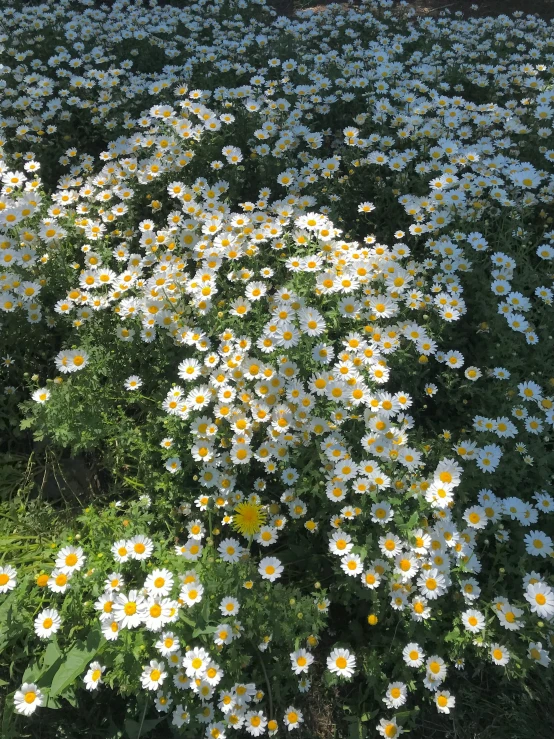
(142, 721)
(269, 693)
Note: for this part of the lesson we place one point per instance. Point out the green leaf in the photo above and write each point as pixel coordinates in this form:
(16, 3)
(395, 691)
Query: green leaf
(368, 716)
(206, 630)
(32, 673)
(51, 655)
(403, 715)
(7, 725)
(453, 635)
(94, 639)
(76, 661)
(135, 730)
(354, 729)
(52, 703)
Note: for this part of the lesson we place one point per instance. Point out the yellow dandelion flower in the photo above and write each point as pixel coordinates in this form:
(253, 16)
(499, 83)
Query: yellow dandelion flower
(249, 518)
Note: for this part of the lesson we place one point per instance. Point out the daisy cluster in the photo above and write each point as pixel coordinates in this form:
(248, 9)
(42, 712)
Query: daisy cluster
(224, 224)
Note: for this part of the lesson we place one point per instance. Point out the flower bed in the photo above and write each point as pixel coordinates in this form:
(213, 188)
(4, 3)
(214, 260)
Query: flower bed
(289, 282)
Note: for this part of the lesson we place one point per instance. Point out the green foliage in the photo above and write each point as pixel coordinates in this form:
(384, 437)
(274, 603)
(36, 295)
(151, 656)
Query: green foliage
(300, 265)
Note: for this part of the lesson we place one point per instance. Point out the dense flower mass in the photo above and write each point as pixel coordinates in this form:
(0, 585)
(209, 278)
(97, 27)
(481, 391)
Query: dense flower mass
(304, 266)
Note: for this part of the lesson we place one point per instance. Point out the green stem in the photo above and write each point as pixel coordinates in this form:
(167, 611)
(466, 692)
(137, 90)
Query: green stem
(142, 721)
(269, 693)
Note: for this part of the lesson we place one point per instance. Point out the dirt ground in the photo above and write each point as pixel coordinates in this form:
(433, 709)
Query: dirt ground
(542, 8)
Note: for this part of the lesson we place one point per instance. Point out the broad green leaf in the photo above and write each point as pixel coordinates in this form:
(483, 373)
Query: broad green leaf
(51, 702)
(32, 673)
(51, 655)
(354, 729)
(135, 730)
(75, 663)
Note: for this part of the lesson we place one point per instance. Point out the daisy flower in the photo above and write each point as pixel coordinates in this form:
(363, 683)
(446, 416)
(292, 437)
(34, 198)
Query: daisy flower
(159, 582)
(8, 578)
(140, 547)
(255, 723)
(395, 695)
(292, 719)
(473, 620)
(93, 676)
(133, 383)
(340, 543)
(499, 655)
(270, 568)
(229, 606)
(196, 661)
(541, 599)
(41, 395)
(341, 662)
(230, 550)
(128, 610)
(301, 660)
(388, 728)
(180, 716)
(47, 623)
(58, 582)
(110, 629)
(191, 593)
(167, 643)
(27, 699)
(70, 559)
(413, 655)
(153, 675)
(352, 564)
(444, 701)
